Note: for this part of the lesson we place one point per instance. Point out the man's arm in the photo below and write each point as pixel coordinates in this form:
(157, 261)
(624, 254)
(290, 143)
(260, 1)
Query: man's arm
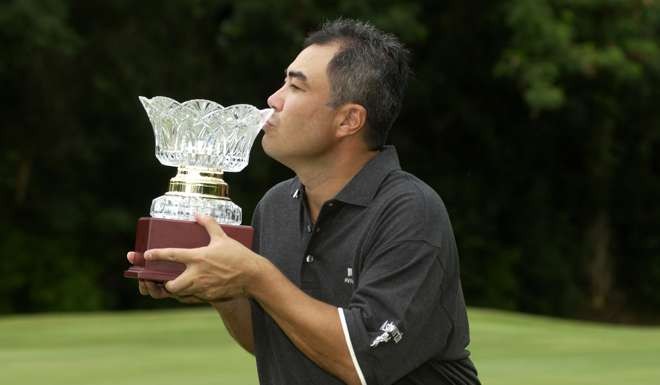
(313, 326)
(235, 313)
(225, 269)
(237, 317)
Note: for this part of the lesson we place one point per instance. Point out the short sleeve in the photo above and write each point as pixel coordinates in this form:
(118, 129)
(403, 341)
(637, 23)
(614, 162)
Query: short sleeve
(396, 319)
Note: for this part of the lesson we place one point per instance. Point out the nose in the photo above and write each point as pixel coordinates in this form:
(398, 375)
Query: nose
(276, 100)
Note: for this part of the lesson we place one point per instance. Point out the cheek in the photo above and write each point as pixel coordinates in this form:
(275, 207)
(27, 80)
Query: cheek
(305, 118)
(295, 107)
(322, 119)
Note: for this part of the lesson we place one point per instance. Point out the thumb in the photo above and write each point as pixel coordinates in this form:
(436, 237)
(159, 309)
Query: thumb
(178, 285)
(212, 227)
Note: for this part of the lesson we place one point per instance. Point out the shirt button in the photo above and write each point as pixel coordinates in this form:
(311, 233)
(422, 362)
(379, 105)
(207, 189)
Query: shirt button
(317, 229)
(309, 258)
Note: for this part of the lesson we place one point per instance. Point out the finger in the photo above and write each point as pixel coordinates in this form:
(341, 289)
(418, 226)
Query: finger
(181, 285)
(156, 290)
(189, 299)
(135, 258)
(142, 287)
(212, 227)
(170, 254)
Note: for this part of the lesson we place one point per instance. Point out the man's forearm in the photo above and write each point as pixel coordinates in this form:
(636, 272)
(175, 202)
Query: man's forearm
(313, 326)
(237, 317)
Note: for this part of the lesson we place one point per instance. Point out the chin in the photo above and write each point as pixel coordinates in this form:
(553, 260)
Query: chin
(267, 146)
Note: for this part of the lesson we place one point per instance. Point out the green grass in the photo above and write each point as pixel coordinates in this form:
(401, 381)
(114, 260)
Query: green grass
(159, 347)
(511, 348)
(191, 347)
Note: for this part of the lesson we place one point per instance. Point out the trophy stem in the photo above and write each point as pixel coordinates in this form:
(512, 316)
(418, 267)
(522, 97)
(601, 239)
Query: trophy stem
(200, 182)
(196, 190)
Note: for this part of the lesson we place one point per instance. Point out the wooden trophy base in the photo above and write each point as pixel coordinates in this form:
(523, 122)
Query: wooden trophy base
(156, 233)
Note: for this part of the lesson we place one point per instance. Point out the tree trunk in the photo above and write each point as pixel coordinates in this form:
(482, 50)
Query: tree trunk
(599, 262)
(23, 173)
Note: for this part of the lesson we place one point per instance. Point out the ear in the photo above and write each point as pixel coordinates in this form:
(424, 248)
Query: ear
(351, 119)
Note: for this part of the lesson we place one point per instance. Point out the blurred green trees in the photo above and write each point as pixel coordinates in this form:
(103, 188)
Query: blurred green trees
(533, 119)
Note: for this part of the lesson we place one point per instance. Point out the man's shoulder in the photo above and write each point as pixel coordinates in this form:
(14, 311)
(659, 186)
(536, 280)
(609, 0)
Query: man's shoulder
(403, 187)
(408, 206)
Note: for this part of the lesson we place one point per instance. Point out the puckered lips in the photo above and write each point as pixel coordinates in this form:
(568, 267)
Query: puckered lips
(270, 123)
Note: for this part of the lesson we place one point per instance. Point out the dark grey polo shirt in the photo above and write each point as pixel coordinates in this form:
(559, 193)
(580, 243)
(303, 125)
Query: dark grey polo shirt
(383, 252)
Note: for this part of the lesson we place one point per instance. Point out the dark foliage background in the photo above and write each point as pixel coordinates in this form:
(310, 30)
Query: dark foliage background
(536, 121)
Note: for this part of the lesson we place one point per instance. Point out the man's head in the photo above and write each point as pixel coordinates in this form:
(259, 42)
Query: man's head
(344, 89)
(370, 68)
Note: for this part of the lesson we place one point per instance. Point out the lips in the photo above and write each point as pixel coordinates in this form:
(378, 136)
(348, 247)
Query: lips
(270, 124)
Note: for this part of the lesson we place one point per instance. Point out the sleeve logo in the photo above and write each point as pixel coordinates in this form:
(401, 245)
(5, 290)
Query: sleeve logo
(390, 332)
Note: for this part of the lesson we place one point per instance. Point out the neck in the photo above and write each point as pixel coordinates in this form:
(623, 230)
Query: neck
(326, 178)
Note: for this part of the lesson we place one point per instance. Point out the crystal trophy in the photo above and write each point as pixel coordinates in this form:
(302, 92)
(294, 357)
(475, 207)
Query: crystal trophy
(203, 140)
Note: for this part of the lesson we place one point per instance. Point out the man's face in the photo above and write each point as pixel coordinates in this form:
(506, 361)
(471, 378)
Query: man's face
(302, 127)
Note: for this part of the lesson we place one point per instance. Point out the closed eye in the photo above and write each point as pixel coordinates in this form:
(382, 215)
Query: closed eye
(290, 75)
(291, 85)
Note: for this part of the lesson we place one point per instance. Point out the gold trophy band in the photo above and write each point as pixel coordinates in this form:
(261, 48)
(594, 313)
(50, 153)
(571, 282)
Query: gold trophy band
(199, 182)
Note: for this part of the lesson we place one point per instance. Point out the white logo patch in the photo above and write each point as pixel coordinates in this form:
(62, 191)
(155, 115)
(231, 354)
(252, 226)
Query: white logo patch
(390, 332)
(349, 276)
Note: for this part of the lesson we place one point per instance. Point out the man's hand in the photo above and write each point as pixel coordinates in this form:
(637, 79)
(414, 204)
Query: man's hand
(216, 272)
(157, 289)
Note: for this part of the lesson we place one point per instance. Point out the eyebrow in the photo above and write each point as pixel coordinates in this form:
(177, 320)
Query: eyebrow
(295, 74)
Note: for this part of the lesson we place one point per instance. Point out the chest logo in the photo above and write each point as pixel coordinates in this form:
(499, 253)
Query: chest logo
(349, 276)
(390, 332)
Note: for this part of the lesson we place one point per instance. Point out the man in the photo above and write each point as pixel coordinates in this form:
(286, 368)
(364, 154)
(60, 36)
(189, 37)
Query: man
(354, 275)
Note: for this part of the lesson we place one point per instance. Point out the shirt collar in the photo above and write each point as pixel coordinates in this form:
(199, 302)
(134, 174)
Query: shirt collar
(362, 188)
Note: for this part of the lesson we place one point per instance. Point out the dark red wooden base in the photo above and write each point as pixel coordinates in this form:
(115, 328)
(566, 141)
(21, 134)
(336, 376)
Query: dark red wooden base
(156, 233)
